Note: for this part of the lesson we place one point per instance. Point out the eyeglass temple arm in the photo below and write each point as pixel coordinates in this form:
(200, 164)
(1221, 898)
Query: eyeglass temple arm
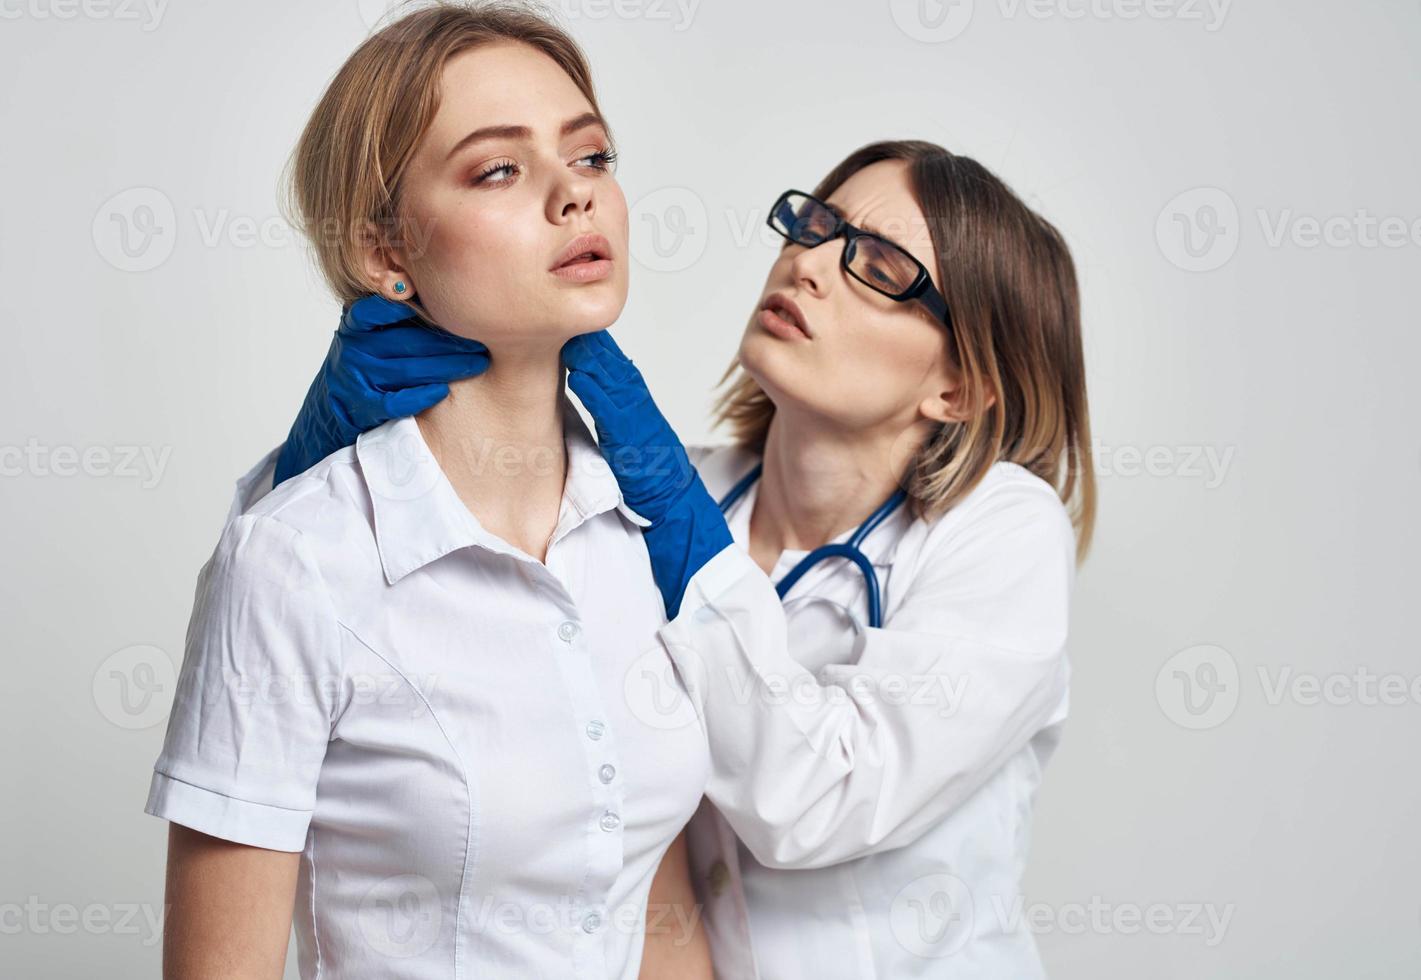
(932, 299)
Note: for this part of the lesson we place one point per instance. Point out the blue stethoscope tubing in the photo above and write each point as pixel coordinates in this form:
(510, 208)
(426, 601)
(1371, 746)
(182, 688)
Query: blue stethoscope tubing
(850, 549)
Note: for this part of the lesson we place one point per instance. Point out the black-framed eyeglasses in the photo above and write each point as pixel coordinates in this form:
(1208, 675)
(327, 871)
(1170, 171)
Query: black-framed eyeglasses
(873, 260)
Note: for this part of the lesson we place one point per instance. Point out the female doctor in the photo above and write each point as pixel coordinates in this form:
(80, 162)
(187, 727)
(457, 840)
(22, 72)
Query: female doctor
(909, 391)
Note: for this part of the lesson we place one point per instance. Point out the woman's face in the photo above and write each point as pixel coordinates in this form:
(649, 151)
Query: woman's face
(505, 188)
(867, 362)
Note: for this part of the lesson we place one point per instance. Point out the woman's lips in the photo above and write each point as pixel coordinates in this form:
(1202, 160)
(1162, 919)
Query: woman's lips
(782, 317)
(780, 327)
(584, 270)
(586, 258)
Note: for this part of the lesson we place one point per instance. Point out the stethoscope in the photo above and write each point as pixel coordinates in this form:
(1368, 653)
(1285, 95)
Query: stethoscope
(850, 549)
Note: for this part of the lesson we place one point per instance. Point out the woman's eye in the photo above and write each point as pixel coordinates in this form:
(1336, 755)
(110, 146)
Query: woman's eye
(488, 175)
(600, 160)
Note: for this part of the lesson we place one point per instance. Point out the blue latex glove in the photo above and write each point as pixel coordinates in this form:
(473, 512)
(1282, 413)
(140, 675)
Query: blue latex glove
(384, 363)
(656, 476)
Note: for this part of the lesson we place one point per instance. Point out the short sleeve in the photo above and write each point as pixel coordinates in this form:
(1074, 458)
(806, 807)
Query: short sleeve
(256, 696)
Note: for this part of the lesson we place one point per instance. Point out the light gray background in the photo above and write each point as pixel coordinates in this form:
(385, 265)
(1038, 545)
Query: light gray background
(1236, 795)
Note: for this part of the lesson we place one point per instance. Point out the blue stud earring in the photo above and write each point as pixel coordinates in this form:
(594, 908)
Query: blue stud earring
(399, 287)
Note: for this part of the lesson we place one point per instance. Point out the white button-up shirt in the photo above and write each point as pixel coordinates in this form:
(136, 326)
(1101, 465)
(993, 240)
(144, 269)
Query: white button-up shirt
(868, 812)
(458, 739)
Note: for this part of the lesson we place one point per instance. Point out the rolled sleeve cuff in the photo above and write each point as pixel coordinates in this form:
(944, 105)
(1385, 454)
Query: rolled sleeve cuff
(258, 824)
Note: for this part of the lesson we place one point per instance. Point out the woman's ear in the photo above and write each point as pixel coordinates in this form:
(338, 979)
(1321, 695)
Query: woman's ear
(383, 268)
(954, 402)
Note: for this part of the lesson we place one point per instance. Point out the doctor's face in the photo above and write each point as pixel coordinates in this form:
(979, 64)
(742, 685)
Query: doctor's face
(516, 228)
(821, 341)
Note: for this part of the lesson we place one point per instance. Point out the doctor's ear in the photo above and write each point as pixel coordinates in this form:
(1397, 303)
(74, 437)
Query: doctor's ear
(384, 271)
(954, 402)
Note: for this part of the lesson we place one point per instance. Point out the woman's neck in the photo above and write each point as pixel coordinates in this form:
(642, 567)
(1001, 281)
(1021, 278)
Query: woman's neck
(498, 437)
(818, 482)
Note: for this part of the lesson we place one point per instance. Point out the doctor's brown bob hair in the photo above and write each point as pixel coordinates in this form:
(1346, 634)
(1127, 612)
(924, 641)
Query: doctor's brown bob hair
(1011, 288)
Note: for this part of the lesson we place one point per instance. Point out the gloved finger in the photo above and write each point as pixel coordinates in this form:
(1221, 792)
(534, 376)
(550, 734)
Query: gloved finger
(352, 394)
(589, 391)
(388, 373)
(596, 348)
(407, 372)
(412, 401)
(624, 403)
(598, 359)
(635, 440)
(598, 354)
(371, 312)
(411, 339)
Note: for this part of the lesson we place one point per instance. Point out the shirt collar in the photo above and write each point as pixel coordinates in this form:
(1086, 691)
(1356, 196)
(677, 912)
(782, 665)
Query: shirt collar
(419, 517)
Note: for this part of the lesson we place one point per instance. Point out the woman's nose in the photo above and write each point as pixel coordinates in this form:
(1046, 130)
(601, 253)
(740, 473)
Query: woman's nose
(813, 268)
(573, 196)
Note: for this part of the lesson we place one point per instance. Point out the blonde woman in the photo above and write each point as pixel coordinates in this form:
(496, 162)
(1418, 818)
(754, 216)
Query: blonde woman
(400, 709)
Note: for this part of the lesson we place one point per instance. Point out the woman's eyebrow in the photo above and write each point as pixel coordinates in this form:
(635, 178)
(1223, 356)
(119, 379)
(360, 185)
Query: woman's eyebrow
(863, 227)
(523, 132)
(845, 218)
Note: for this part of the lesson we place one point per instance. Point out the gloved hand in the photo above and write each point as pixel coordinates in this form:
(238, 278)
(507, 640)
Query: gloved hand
(656, 476)
(384, 363)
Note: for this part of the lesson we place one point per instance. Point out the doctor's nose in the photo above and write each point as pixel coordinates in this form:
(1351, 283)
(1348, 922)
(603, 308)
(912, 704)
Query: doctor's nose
(813, 268)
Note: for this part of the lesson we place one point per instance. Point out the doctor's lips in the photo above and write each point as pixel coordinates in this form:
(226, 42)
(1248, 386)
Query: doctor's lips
(782, 317)
(587, 258)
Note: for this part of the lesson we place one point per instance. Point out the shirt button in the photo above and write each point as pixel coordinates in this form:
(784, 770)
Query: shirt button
(610, 821)
(595, 729)
(591, 921)
(606, 773)
(567, 631)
